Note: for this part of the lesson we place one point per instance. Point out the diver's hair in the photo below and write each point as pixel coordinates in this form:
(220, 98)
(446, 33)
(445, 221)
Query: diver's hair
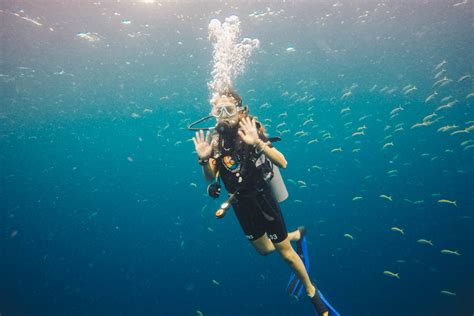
(229, 92)
(232, 93)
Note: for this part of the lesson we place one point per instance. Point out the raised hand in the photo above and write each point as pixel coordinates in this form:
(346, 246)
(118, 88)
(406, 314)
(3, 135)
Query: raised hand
(202, 145)
(248, 131)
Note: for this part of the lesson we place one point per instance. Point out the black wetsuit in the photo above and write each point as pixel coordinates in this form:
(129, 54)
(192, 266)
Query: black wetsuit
(255, 207)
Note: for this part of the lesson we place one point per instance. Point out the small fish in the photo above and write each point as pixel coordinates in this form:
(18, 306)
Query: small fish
(387, 197)
(390, 144)
(410, 90)
(199, 313)
(441, 64)
(313, 141)
(396, 110)
(447, 128)
(440, 73)
(391, 274)
(442, 82)
(346, 95)
(464, 78)
(349, 236)
(210, 229)
(458, 132)
(446, 98)
(215, 282)
(424, 241)
(400, 129)
(396, 229)
(301, 182)
(193, 184)
(470, 95)
(431, 96)
(429, 117)
(448, 202)
(460, 3)
(358, 133)
(301, 133)
(450, 252)
(336, 150)
(449, 293)
(308, 121)
(357, 198)
(407, 87)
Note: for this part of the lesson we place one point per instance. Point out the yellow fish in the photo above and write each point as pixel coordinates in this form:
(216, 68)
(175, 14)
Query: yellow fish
(358, 133)
(389, 273)
(349, 236)
(301, 182)
(448, 202)
(387, 197)
(424, 241)
(396, 229)
(450, 252)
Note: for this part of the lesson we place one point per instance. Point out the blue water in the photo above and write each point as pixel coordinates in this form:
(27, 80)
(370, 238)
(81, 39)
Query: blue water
(103, 205)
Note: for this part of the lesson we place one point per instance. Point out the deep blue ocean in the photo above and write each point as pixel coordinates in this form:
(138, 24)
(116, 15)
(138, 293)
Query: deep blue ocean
(103, 206)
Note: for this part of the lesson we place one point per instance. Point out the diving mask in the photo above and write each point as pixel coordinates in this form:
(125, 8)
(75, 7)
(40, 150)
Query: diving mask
(224, 110)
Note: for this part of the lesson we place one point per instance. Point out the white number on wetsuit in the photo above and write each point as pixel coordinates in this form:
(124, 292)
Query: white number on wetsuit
(273, 236)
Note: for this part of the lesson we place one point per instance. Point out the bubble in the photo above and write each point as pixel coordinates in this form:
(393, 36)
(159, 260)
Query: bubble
(229, 55)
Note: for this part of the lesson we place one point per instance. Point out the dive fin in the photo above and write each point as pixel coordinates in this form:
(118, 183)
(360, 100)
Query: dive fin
(295, 286)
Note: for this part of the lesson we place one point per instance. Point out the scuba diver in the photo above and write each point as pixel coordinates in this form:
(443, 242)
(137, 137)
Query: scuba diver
(238, 152)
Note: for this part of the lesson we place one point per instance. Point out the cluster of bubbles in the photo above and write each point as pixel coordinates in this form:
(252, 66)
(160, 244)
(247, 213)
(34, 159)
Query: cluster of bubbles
(229, 55)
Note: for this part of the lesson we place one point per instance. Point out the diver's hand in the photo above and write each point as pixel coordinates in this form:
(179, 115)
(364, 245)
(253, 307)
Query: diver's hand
(248, 131)
(202, 145)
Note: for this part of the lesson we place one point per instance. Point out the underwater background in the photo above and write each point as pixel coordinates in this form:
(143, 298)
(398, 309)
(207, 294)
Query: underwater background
(103, 206)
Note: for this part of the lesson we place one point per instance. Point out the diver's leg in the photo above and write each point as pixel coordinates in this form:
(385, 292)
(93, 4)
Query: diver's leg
(287, 252)
(290, 256)
(263, 245)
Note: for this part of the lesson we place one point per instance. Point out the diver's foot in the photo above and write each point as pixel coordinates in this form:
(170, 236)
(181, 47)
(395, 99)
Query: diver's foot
(301, 232)
(319, 305)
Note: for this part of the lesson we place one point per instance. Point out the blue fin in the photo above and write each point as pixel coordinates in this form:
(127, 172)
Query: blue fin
(332, 311)
(295, 286)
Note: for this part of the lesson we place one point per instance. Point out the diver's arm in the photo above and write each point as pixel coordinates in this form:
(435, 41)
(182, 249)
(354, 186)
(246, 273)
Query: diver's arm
(272, 153)
(209, 170)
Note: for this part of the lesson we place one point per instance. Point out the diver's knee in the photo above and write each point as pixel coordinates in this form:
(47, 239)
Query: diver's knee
(263, 252)
(289, 256)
